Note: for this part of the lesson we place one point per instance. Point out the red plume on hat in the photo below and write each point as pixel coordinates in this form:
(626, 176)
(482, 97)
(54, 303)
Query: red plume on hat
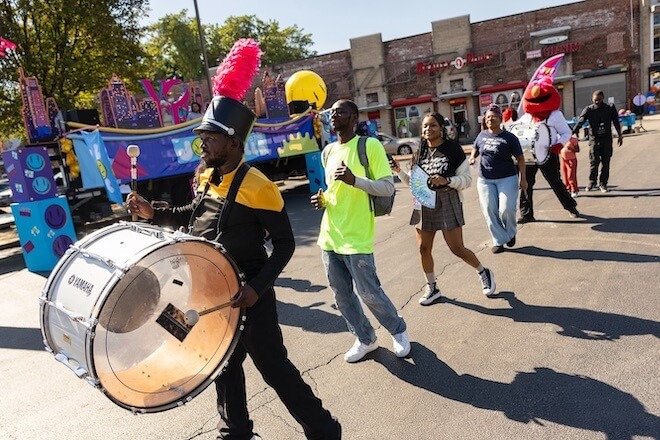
(234, 75)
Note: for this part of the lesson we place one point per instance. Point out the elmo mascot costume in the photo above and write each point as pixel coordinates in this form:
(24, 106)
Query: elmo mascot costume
(541, 102)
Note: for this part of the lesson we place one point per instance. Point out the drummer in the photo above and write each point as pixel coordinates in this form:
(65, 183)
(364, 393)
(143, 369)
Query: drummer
(257, 207)
(541, 102)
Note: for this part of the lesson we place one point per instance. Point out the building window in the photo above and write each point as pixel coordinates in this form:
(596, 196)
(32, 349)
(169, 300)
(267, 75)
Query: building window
(372, 98)
(656, 35)
(408, 120)
(456, 85)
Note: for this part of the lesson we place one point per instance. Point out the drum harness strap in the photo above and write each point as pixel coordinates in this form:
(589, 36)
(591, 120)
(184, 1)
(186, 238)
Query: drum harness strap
(229, 200)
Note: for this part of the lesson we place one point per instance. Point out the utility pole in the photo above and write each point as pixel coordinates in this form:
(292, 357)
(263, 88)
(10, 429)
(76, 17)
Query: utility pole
(202, 41)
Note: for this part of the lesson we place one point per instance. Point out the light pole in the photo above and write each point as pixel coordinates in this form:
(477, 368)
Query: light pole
(202, 41)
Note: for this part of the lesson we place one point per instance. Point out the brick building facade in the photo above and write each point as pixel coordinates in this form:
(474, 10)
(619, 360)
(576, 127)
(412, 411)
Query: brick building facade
(459, 67)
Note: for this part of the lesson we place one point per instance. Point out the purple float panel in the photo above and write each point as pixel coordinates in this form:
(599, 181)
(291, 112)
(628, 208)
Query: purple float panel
(45, 230)
(30, 174)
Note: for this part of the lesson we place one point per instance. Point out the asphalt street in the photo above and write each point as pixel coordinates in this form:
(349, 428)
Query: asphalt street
(568, 349)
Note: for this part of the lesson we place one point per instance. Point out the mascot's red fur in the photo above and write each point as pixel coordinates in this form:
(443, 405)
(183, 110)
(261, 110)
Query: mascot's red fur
(540, 99)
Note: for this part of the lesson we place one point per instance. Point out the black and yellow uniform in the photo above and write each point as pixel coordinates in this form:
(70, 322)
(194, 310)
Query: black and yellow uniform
(258, 210)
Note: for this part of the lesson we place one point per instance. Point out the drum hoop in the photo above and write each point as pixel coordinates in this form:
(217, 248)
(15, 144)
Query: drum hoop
(549, 131)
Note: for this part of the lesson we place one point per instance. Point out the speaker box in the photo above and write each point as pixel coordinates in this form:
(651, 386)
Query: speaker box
(83, 116)
(30, 174)
(45, 230)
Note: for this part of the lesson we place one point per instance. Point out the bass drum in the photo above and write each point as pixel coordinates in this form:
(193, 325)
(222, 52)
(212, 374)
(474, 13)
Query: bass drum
(101, 303)
(535, 140)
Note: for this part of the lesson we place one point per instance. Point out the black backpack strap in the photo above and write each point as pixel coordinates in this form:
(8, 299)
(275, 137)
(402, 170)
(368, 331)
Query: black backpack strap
(231, 195)
(362, 154)
(364, 160)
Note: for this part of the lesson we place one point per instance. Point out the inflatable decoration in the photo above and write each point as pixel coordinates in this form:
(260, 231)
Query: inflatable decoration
(306, 85)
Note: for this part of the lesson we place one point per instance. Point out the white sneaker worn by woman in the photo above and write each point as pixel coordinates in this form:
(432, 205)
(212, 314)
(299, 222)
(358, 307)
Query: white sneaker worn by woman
(401, 344)
(359, 350)
(431, 293)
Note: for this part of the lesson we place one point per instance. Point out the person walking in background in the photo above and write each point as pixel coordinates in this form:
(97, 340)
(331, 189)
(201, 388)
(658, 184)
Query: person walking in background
(449, 174)
(195, 111)
(499, 179)
(600, 116)
(569, 164)
(347, 233)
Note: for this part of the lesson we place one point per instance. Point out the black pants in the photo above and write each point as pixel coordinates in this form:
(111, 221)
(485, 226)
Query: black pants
(550, 171)
(262, 340)
(600, 152)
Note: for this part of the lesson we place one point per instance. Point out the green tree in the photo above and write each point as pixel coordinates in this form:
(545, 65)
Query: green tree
(278, 44)
(173, 48)
(72, 48)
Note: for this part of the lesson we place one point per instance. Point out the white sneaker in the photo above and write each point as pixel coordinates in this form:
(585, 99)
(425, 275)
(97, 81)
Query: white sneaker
(431, 293)
(359, 350)
(401, 344)
(574, 194)
(487, 282)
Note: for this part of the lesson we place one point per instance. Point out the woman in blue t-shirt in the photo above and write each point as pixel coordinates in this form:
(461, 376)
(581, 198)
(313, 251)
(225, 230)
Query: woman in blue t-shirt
(499, 178)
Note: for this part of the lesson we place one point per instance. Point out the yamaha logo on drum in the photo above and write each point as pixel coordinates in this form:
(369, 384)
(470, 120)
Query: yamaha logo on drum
(81, 284)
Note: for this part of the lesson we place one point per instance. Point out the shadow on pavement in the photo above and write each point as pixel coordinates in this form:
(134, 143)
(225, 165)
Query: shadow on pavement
(298, 285)
(543, 394)
(576, 323)
(586, 255)
(12, 263)
(309, 318)
(21, 338)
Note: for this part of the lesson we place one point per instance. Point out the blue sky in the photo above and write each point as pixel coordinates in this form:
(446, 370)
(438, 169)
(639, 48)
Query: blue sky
(333, 24)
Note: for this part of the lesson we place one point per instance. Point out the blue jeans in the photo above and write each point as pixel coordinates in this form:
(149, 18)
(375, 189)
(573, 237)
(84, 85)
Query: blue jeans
(499, 201)
(342, 272)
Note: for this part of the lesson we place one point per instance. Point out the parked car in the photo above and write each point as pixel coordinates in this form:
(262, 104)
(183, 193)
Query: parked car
(452, 130)
(399, 146)
(5, 193)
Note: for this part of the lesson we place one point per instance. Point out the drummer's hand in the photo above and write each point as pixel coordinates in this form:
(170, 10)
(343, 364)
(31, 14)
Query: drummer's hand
(246, 297)
(620, 141)
(523, 185)
(139, 206)
(472, 160)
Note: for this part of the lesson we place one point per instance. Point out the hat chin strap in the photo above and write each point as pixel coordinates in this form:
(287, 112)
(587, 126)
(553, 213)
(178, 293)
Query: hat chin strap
(230, 131)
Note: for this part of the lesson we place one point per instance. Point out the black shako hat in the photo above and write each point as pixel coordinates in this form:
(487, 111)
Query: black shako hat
(228, 116)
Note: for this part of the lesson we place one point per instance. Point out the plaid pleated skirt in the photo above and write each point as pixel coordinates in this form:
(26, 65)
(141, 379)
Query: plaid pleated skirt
(447, 214)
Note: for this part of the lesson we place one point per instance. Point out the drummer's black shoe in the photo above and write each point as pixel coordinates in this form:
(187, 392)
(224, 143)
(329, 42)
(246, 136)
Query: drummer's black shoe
(574, 213)
(512, 242)
(522, 220)
(497, 249)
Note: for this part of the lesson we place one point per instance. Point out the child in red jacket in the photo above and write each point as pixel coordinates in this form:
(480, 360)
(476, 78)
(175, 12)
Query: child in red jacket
(569, 166)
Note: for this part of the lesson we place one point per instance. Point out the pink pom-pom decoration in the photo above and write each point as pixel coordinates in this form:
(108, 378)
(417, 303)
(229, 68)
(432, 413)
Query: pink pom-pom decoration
(236, 72)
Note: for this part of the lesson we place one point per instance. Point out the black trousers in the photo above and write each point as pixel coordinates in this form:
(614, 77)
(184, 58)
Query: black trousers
(550, 171)
(600, 152)
(262, 340)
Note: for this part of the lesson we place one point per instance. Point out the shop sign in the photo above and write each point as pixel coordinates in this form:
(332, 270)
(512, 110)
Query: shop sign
(560, 48)
(553, 40)
(485, 100)
(533, 54)
(458, 62)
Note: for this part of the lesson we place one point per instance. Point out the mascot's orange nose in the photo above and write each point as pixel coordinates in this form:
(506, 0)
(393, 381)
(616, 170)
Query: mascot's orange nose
(536, 91)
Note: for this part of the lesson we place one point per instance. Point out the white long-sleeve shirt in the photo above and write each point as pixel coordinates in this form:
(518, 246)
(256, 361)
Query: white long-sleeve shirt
(556, 122)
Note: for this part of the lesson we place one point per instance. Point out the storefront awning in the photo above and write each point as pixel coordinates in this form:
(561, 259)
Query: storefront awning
(412, 101)
(462, 94)
(369, 108)
(503, 87)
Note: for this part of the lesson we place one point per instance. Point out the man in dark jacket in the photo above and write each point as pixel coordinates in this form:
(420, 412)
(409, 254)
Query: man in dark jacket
(257, 207)
(601, 116)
